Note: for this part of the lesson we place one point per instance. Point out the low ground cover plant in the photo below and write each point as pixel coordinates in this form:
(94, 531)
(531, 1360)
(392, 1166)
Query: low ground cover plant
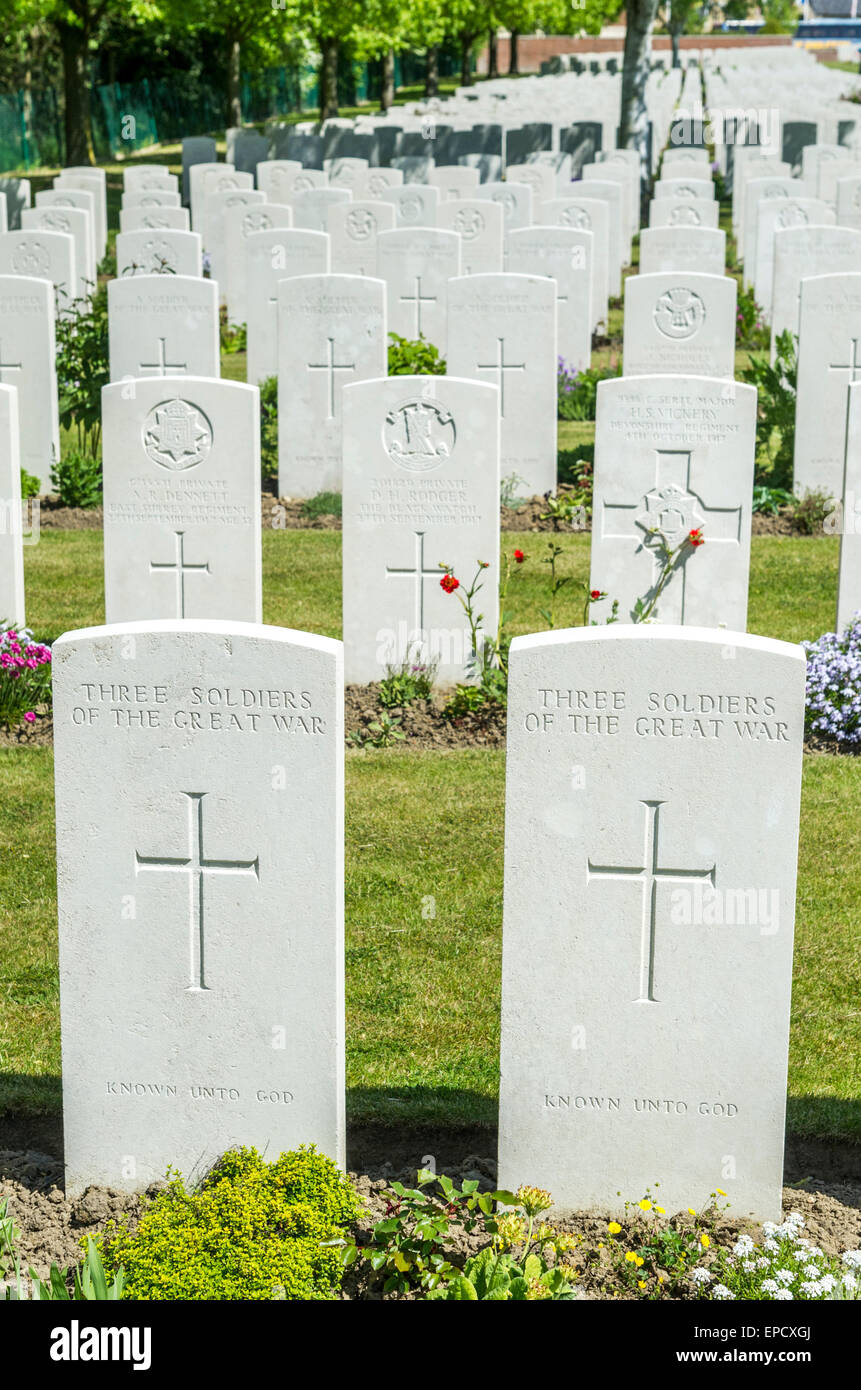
(414, 357)
(25, 676)
(833, 697)
(577, 392)
(251, 1230)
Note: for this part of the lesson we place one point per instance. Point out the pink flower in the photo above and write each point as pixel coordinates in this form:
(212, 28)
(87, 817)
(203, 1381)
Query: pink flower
(30, 717)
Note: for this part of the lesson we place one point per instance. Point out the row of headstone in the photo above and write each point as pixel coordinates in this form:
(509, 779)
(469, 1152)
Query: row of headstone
(197, 1016)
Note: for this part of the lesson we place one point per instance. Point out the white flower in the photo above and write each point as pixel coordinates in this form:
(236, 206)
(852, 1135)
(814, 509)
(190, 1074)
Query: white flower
(721, 1291)
(763, 1263)
(850, 1282)
(770, 1286)
(785, 1276)
(748, 1266)
(811, 1288)
(771, 1244)
(795, 1219)
(701, 1275)
(852, 1258)
(743, 1245)
(768, 1228)
(828, 1282)
(783, 1294)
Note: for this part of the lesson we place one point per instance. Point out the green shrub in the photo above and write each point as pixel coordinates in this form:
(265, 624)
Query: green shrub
(251, 1231)
(233, 336)
(750, 330)
(77, 479)
(775, 423)
(577, 392)
(414, 357)
(322, 504)
(769, 500)
(269, 429)
(411, 680)
(810, 511)
(83, 369)
(30, 485)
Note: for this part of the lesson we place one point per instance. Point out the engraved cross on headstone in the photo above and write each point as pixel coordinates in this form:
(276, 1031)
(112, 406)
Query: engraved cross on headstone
(853, 366)
(162, 366)
(418, 574)
(331, 366)
(181, 569)
(649, 874)
(500, 366)
(418, 299)
(196, 866)
(8, 366)
(674, 508)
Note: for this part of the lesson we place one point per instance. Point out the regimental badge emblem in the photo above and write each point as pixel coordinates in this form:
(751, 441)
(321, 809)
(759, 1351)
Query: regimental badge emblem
(55, 222)
(576, 217)
(255, 221)
(411, 209)
(376, 184)
(155, 221)
(469, 222)
(177, 435)
(679, 313)
(778, 190)
(508, 201)
(159, 256)
(419, 434)
(792, 216)
(360, 224)
(685, 215)
(670, 510)
(31, 258)
(301, 184)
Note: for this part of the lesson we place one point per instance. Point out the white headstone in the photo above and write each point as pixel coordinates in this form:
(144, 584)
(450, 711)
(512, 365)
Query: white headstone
(163, 325)
(679, 323)
(666, 212)
(216, 208)
(829, 359)
(93, 180)
(149, 176)
(154, 219)
(27, 362)
(159, 253)
(590, 215)
(73, 222)
(239, 224)
(453, 181)
(417, 265)
(682, 248)
(502, 330)
(311, 207)
(806, 251)
(181, 497)
(331, 331)
(272, 256)
(646, 917)
(196, 149)
(480, 225)
(196, 189)
(516, 200)
(774, 215)
(415, 204)
(151, 198)
(45, 256)
(849, 574)
(371, 183)
(11, 546)
(15, 195)
(353, 230)
(84, 201)
(674, 454)
(565, 255)
(421, 489)
(849, 201)
(201, 966)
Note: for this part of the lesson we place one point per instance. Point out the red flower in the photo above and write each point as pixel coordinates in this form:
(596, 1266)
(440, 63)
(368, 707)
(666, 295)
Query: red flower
(449, 583)
(596, 594)
(519, 557)
(696, 537)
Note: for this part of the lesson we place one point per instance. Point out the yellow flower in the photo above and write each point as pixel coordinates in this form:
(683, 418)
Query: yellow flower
(614, 1228)
(641, 1283)
(640, 1262)
(631, 1257)
(720, 1192)
(691, 1210)
(704, 1241)
(645, 1205)
(534, 1200)
(662, 1210)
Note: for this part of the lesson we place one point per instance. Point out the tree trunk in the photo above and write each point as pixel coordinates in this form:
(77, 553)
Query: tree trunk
(387, 87)
(634, 117)
(492, 54)
(513, 69)
(77, 130)
(328, 78)
(675, 36)
(465, 47)
(234, 85)
(432, 71)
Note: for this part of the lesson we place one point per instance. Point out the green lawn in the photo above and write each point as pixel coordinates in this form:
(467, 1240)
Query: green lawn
(793, 582)
(424, 911)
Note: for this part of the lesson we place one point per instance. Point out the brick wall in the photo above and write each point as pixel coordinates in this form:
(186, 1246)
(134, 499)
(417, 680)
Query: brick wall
(532, 50)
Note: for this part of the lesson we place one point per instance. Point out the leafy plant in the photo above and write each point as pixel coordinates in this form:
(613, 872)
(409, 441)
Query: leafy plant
(775, 427)
(557, 582)
(322, 504)
(251, 1230)
(508, 490)
(809, 512)
(769, 500)
(577, 392)
(30, 485)
(407, 682)
(523, 1263)
(750, 329)
(83, 368)
(233, 336)
(654, 1257)
(465, 700)
(565, 509)
(25, 676)
(381, 734)
(269, 429)
(408, 1248)
(671, 559)
(414, 357)
(86, 1283)
(77, 479)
